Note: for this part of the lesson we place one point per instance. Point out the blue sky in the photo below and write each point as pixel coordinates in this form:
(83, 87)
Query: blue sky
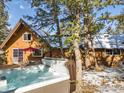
(18, 8)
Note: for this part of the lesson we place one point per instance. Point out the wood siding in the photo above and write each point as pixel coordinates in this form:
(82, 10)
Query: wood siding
(101, 56)
(108, 59)
(16, 41)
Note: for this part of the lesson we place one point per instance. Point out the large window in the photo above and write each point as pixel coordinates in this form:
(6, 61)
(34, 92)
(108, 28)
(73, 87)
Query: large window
(38, 53)
(113, 51)
(27, 36)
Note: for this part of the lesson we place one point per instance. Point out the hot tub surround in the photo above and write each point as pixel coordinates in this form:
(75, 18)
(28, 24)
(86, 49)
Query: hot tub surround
(3, 81)
(56, 65)
(50, 77)
(60, 84)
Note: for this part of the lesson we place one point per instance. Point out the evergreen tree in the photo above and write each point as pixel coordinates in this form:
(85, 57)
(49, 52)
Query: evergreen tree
(47, 13)
(3, 21)
(3, 28)
(73, 28)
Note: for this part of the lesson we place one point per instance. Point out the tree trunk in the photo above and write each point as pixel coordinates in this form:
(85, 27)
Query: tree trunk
(87, 36)
(87, 59)
(55, 16)
(78, 56)
(78, 66)
(50, 51)
(87, 48)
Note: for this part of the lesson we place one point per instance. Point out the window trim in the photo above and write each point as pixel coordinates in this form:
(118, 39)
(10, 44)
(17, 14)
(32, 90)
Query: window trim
(27, 33)
(37, 55)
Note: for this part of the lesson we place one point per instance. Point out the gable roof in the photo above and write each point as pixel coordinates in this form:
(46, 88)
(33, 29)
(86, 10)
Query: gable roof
(18, 25)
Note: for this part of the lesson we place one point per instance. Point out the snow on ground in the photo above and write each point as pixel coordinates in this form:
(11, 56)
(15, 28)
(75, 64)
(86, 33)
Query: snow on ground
(111, 80)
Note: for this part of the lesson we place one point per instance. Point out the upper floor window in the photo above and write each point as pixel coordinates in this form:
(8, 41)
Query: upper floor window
(27, 36)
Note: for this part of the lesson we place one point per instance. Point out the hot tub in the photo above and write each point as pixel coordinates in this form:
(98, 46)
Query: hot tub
(38, 79)
(58, 85)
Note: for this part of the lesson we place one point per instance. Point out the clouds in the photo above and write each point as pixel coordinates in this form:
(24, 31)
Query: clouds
(17, 9)
(10, 16)
(21, 7)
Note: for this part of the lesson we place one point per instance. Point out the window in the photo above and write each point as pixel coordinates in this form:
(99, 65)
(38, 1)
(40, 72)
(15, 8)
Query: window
(27, 36)
(113, 51)
(18, 55)
(116, 52)
(109, 51)
(38, 53)
(15, 52)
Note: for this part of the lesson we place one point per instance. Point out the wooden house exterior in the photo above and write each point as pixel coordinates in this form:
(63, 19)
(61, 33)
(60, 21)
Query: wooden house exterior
(23, 45)
(108, 57)
(103, 57)
(109, 49)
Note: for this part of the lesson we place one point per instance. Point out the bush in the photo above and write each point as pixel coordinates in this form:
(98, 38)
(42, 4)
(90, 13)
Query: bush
(2, 59)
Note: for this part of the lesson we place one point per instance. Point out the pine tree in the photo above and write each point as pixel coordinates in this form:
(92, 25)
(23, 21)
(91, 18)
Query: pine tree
(47, 12)
(3, 21)
(3, 28)
(73, 28)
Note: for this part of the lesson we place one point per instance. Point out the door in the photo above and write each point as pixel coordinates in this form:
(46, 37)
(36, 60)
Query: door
(17, 55)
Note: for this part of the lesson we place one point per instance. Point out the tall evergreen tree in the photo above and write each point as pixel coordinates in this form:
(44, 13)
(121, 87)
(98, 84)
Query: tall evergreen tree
(3, 28)
(3, 21)
(47, 12)
(73, 28)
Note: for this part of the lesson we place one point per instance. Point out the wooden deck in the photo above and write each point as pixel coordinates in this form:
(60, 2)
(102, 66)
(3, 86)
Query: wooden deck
(8, 66)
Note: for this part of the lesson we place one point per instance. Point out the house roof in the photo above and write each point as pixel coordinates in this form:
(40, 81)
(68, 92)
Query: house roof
(18, 25)
(102, 41)
(109, 41)
(99, 41)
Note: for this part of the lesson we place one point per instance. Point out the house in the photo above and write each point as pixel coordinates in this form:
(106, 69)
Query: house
(109, 48)
(23, 44)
